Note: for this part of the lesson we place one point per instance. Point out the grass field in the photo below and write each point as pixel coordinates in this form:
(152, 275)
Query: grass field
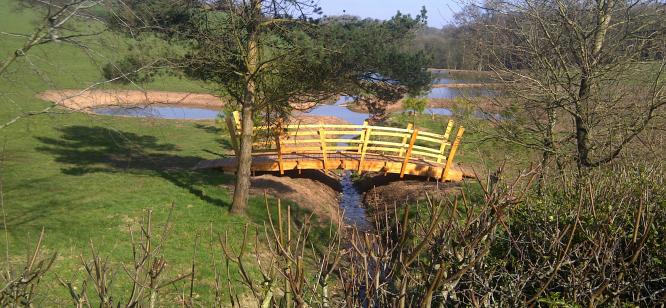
(88, 178)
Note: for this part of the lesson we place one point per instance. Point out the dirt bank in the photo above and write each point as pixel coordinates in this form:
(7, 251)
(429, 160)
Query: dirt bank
(306, 119)
(313, 190)
(386, 196)
(483, 103)
(385, 192)
(82, 100)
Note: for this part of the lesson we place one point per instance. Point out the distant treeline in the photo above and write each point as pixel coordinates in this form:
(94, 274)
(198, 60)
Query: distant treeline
(471, 41)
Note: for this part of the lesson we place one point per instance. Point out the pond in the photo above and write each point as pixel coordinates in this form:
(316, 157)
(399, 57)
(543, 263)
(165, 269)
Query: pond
(338, 109)
(447, 77)
(160, 111)
(452, 93)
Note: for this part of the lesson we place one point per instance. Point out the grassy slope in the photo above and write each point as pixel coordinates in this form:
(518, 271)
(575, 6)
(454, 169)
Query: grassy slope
(84, 177)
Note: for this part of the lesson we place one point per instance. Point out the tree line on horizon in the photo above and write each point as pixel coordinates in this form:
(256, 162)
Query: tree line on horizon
(471, 42)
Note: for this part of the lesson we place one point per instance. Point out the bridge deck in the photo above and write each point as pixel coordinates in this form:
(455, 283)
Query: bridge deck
(341, 161)
(360, 148)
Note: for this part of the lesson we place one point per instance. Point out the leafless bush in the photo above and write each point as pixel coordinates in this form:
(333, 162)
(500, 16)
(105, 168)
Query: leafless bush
(147, 273)
(601, 245)
(20, 287)
(597, 246)
(503, 245)
(416, 255)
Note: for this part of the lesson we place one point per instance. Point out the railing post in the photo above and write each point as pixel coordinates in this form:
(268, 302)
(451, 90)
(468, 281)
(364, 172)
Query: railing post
(322, 138)
(404, 139)
(452, 153)
(278, 146)
(408, 155)
(364, 147)
(362, 136)
(232, 132)
(445, 141)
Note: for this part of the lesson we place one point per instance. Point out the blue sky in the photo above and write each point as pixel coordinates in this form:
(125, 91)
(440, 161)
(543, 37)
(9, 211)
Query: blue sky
(440, 12)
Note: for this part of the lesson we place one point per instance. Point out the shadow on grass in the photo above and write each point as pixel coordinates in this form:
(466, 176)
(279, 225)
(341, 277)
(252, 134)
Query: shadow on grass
(85, 150)
(98, 149)
(213, 129)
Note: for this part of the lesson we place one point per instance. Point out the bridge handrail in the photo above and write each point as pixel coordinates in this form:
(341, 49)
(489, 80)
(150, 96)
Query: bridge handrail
(406, 143)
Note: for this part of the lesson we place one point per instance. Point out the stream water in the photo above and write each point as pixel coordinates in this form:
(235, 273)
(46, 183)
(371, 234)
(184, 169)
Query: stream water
(351, 204)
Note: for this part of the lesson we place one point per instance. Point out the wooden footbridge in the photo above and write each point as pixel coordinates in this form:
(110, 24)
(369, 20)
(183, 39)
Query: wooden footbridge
(362, 148)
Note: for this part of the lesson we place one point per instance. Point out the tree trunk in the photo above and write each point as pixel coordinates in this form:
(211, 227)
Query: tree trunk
(243, 173)
(582, 146)
(586, 82)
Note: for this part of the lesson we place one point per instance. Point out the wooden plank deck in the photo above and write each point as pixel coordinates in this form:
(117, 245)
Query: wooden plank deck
(341, 161)
(361, 148)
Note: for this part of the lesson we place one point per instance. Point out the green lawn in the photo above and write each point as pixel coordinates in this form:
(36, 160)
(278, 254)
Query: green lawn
(84, 177)
(88, 178)
(476, 151)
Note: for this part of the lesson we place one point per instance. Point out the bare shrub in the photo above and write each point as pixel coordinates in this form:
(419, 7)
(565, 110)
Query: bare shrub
(147, 273)
(21, 287)
(599, 245)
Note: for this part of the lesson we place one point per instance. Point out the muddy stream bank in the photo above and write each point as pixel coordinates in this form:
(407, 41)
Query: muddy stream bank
(345, 198)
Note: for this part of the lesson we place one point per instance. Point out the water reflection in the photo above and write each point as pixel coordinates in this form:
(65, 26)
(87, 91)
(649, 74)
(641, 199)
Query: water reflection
(443, 81)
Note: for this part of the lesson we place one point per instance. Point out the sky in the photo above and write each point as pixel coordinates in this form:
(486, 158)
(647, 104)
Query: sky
(440, 12)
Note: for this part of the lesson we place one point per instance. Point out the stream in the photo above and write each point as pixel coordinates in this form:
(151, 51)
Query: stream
(351, 204)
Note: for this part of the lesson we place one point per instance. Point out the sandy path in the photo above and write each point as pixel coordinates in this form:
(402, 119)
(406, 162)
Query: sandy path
(78, 100)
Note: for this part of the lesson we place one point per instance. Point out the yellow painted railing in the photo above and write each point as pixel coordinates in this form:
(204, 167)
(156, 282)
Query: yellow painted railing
(325, 139)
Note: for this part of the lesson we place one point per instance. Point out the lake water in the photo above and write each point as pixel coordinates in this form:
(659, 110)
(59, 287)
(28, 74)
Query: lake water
(338, 109)
(438, 111)
(452, 93)
(160, 111)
